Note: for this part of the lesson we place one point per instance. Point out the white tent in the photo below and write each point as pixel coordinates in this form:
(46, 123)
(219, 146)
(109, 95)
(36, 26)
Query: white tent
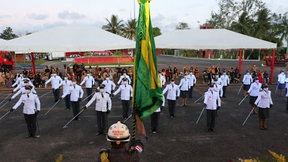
(68, 39)
(210, 39)
(2, 40)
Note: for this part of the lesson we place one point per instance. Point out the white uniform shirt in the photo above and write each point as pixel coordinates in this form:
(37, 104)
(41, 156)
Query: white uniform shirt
(264, 99)
(75, 93)
(162, 79)
(218, 87)
(192, 79)
(66, 86)
(19, 80)
(184, 84)
(109, 86)
(286, 82)
(124, 76)
(247, 79)
(225, 79)
(55, 81)
(29, 103)
(254, 89)
(281, 78)
(22, 85)
(211, 99)
(22, 89)
(173, 91)
(89, 81)
(101, 102)
(126, 92)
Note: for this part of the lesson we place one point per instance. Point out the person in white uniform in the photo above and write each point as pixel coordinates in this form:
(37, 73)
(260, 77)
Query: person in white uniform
(89, 82)
(184, 87)
(124, 76)
(109, 85)
(173, 93)
(103, 108)
(76, 94)
(155, 118)
(21, 88)
(281, 82)
(126, 95)
(192, 80)
(225, 82)
(56, 82)
(30, 111)
(212, 102)
(247, 80)
(254, 92)
(66, 85)
(264, 103)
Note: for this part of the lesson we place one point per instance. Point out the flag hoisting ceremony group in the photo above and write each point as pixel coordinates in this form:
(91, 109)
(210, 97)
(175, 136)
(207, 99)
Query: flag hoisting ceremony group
(143, 96)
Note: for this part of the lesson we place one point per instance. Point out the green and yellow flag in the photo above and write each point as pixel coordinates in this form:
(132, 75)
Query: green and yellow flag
(147, 89)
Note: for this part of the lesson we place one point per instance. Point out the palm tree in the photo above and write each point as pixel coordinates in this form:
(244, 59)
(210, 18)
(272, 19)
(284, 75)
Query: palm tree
(244, 24)
(283, 28)
(263, 24)
(129, 30)
(114, 25)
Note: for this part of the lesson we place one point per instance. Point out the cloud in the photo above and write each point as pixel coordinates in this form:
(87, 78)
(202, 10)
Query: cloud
(38, 16)
(5, 16)
(66, 15)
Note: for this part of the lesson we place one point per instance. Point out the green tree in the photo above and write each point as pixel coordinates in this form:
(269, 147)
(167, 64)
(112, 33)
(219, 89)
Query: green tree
(231, 10)
(283, 29)
(263, 24)
(8, 34)
(129, 29)
(114, 25)
(244, 24)
(182, 26)
(156, 31)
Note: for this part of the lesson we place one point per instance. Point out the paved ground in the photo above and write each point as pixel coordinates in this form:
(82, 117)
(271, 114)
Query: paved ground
(179, 139)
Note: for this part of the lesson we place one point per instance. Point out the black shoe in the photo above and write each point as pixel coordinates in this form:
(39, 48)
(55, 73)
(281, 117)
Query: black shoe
(36, 136)
(207, 130)
(104, 134)
(212, 130)
(28, 136)
(77, 119)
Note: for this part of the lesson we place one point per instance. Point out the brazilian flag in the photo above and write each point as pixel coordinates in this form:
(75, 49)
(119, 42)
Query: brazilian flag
(147, 90)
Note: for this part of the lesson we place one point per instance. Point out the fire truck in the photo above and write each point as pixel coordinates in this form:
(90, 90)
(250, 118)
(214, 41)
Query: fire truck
(6, 61)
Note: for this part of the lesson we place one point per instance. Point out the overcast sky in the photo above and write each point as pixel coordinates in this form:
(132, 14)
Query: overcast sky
(35, 15)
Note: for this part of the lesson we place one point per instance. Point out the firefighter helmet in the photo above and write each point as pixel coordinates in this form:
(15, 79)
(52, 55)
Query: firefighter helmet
(118, 133)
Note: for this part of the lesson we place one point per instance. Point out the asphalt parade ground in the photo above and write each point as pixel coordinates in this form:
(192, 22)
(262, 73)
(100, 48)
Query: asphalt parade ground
(178, 139)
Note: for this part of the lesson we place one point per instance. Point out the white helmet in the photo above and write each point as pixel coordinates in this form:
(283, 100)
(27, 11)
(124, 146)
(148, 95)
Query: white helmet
(118, 132)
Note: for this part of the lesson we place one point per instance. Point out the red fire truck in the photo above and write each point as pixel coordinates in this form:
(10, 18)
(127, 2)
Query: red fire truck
(6, 61)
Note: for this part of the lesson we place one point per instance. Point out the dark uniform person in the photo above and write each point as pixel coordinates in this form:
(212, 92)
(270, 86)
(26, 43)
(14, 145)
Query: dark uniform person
(212, 102)
(119, 136)
(103, 107)
(30, 111)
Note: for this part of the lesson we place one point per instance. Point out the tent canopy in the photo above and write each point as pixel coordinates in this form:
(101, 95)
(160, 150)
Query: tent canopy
(68, 39)
(210, 39)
